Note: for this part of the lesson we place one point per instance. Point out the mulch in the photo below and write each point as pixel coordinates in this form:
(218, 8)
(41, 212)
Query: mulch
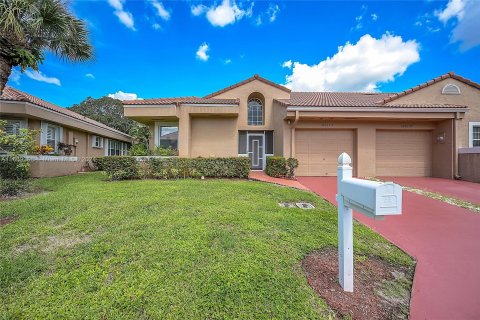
(6, 220)
(321, 270)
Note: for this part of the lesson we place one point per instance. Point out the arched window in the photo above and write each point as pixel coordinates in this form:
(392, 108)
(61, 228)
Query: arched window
(255, 112)
(451, 89)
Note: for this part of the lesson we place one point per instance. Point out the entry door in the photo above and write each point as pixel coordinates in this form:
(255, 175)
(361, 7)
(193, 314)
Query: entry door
(256, 151)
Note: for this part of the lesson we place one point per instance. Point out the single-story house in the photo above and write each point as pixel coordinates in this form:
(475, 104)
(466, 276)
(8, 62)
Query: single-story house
(417, 132)
(88, 137)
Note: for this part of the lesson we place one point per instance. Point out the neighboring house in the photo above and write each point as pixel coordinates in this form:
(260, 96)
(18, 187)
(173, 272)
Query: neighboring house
(88, 137)
(413, 133)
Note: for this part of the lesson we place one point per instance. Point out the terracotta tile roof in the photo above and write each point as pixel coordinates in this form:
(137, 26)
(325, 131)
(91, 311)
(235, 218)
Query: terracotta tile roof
(451, 75)
(241, 83)
(332, 99)
(180, 100)
(12, 94)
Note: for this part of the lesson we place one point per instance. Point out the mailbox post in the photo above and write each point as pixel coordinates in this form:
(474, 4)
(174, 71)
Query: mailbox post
(373, 199)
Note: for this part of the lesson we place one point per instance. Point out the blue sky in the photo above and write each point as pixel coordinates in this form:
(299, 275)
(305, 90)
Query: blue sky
(178, 48)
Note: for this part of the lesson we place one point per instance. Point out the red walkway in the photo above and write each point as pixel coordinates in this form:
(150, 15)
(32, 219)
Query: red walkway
(445, 241)
(463, 190)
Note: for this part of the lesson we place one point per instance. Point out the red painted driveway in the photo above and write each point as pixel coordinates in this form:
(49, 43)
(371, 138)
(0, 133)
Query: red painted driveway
(463, 190)
(445, 241)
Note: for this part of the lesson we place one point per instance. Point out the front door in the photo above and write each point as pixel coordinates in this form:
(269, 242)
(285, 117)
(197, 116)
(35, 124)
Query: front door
(256, 151)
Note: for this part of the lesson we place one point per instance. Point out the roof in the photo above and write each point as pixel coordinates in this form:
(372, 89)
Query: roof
(332, 99)
(12, 94)
(180, 100)
(450, 75)
(241, 83)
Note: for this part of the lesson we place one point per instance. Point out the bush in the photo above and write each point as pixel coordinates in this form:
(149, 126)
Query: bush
(279, 167)
(138, 150)
(120, 168)
(14, 187)
(180, 168)
(98, 163)
(165, 152)
(14, 168)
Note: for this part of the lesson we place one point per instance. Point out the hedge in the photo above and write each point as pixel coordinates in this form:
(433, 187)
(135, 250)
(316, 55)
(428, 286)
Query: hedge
(177, 168)
(119, 167)
(280, 167)
(126, 167)
(14, 168)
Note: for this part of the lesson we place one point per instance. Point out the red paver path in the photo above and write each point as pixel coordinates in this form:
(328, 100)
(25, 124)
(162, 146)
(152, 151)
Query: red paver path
(445, 241)
(463, 190)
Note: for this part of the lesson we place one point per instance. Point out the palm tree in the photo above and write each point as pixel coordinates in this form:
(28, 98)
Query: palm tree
(30, 27)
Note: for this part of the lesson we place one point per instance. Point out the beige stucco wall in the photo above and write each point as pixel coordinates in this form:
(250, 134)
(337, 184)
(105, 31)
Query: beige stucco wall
(41, 169)
(469, 96)
(469, 166)
(214, 137)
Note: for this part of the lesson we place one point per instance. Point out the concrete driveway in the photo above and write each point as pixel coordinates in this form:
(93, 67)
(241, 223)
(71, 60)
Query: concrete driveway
(445, 241)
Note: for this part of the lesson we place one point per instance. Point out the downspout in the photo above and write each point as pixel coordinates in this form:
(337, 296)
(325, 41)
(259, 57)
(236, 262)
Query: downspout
(292, 134)
(456, 174)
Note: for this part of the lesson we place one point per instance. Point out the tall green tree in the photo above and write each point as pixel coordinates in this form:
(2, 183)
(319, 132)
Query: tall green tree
(28, 28)
(109, 111)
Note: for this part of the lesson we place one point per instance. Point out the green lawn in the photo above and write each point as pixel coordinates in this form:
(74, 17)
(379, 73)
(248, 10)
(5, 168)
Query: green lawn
(187, 249)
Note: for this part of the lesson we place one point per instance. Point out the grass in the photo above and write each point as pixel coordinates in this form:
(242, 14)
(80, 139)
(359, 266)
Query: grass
(187, 249)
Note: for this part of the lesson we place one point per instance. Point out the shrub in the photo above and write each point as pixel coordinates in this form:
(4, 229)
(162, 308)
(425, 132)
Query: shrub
(14, 168)
(279, 167)
(120, 168)
(14, 187)
(98, 163)
(180, 168)
(138, 150)
(166, 152)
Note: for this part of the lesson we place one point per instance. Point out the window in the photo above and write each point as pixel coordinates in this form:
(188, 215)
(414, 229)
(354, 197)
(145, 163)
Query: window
(474, 129)
(116, 148)
(13, 126)
(168, 137)
(97, 142)
(52, 136)
(255, 112)
(451, 89)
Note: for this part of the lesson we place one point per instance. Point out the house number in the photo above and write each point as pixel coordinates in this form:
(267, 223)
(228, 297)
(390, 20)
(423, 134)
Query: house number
(326, 124)
(406, 125)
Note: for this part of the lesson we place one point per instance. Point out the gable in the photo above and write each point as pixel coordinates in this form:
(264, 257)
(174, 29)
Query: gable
(253, 84)
(435, 94)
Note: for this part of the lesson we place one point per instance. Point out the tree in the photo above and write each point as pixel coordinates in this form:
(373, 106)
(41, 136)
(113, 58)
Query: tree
(109, 111)
(30, 27)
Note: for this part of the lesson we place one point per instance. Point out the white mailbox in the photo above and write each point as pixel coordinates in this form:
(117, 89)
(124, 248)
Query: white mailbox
(373, 199)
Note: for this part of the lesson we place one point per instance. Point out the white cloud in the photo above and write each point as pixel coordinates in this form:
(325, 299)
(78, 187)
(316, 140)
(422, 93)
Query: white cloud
(454, 8)
(39, 76)
(467, 28)
(124, 16)
(202, 52)
(272, 12)
(357, 67)
(120, 95)
(226, 13)
(287, 64)
(15, 76)
(156, 26)
(89, 75)
(161, 11)
(374, 16)
(227, 61)
(198, 10)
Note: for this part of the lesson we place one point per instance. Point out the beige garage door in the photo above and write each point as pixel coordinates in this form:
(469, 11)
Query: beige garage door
(317, 151)
(404, 153)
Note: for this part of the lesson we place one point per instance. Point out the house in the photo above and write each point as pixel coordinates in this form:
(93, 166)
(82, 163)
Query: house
(417, 132)
(88, 138)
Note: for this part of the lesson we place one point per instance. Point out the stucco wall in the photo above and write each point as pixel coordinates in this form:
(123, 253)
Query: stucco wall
(469, 96)
(469, 165)
(214, 137)
(40, 169)
(443, 165)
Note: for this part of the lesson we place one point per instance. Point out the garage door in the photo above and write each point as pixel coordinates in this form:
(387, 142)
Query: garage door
(404, 153)
(317, 151)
